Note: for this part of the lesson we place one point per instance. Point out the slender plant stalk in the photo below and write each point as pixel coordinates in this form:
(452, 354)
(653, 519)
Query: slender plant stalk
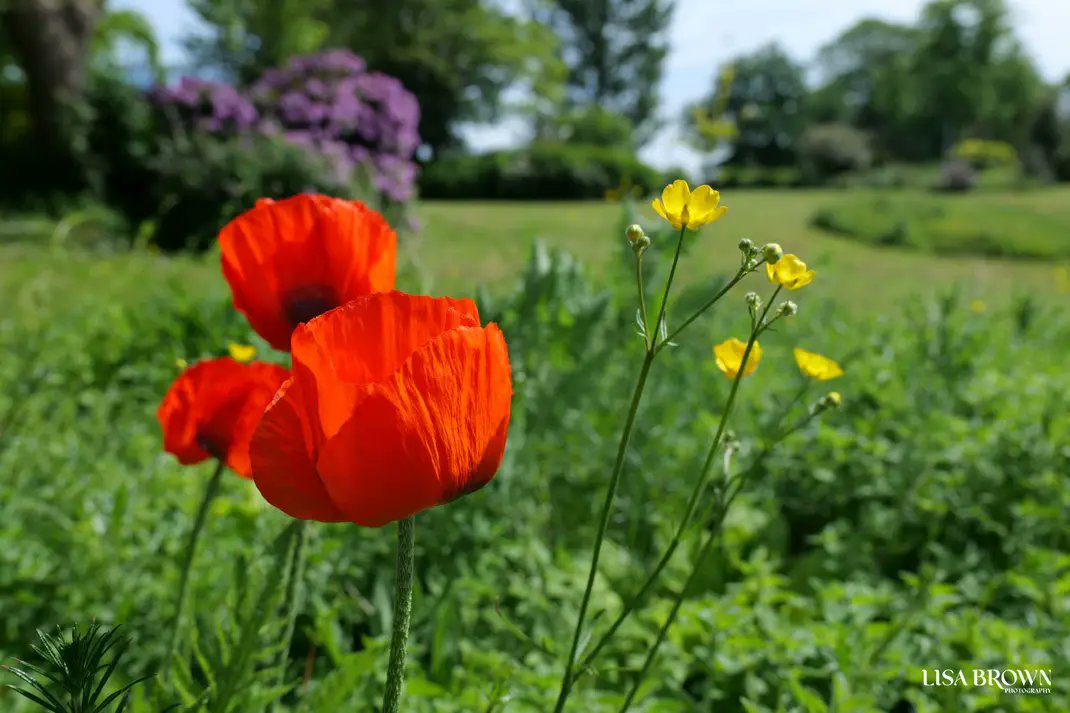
(399, 637)
(618, 466)
(294, 595)
(668, 285)
(210, 492)
(702, 310)
(642, 301)
(721, 426)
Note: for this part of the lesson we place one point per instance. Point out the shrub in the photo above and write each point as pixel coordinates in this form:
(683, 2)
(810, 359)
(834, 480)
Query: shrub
(758, 177)
(981, 153)
(542, 171)
(961, 225)
(828, 150)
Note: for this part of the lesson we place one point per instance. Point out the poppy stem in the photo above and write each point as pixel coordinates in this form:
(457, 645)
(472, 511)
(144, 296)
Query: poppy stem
(395, 673)
(294, 595)
(210, 492)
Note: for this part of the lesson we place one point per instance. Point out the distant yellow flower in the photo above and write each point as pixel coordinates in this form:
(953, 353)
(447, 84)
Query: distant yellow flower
(181, 363)
(241, 352)
(789, 271)
(681, 206)
(1062, 279)
(729, 356)
(978, 307)
(815, 366)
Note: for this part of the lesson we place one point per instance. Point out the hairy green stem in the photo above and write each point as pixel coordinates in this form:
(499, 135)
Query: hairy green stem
(399, 637)
(294, 595)
(607, 509)
(210, 492)
(618, 468)
(721, 426)
(642, 300)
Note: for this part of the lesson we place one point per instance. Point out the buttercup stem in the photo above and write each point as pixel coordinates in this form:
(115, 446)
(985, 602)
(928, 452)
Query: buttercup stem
(210, 492)
(607, 508)
(294, 595)
(701, 310)
(642, 300)
(709, 460)
(668, 285)
(399, 637)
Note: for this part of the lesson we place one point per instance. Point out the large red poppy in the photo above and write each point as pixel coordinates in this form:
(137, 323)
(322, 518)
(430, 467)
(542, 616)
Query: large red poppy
(212, 409)
(288, 261)
(397, 403)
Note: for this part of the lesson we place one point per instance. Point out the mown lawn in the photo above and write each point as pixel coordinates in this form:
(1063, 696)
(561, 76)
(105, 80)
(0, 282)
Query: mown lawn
(463, 244)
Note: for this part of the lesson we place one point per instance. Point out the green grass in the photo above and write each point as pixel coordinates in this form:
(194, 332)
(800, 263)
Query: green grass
(1002, 226)
(463, 244)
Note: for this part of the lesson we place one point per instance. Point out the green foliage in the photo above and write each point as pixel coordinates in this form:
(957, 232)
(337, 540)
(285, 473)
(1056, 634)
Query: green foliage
(920, 526)
(615, 51)
(765, 103)
(950, 225)
(489, 49)
(77, 669)
(543, 170)
(985, 154)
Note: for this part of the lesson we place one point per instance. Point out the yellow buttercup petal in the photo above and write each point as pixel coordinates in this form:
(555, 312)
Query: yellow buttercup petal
(675, 197)
(816, 366)
(728, 356)
(702, 208)
(241, 352)
(790, 272)
(660, 209)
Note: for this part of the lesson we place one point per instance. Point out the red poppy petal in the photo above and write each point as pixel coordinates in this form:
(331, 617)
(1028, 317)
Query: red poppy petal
(432, 432)
(288, 261)
(364, 342)
(265, 381)
(281, 461)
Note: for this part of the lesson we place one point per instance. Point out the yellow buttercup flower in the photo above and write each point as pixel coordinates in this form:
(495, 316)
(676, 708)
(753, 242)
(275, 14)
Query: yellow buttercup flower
(729, 356)
(181, 363)
(816, 366)
(681, 206)
(790, 272)
(241, 352)
(978, 307)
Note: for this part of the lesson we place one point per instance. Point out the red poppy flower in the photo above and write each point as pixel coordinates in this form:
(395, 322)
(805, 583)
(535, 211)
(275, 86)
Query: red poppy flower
(288, 261)
(397, 403)
(212, 409)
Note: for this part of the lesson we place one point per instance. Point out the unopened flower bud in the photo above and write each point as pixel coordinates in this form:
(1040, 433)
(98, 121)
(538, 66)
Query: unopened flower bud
(640, 245)
(634, 233)
(787, 309)
(772, 252)
(746, 246)
(753, 300)
(832, 399)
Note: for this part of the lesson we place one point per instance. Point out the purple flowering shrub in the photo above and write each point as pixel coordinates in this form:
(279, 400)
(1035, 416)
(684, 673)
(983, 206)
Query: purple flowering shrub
(211, 107)
(364, 124)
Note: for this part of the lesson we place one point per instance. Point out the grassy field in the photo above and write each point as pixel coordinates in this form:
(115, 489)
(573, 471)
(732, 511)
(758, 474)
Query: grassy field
(465, 244)
(921, 525)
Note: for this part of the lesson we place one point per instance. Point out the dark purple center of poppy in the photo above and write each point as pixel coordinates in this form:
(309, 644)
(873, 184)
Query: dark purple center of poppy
(211, 445)
(303, 303)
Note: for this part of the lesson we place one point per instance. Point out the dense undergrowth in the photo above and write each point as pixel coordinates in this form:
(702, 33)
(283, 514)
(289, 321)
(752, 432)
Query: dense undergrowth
(920, 526)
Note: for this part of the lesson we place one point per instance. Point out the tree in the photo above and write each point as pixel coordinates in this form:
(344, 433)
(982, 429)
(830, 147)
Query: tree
(764, 102)
(972, 75)
(615, 51)
(457, 56)
(51, 41)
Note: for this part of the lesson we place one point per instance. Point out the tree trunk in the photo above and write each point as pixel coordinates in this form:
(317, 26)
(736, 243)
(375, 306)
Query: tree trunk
(51, 39)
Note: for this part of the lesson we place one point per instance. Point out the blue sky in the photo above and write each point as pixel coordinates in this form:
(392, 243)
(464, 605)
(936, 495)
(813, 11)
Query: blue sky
(706, 33)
